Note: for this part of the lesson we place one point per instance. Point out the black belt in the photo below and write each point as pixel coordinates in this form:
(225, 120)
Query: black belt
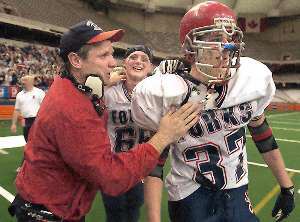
(31, 212)
(29, 121)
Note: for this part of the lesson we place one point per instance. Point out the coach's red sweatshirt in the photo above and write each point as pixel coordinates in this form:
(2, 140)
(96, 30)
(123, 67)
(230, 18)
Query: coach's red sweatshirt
(68, 156)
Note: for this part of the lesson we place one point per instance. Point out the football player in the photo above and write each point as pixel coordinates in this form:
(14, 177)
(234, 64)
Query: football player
(208, 180)
(123, 133)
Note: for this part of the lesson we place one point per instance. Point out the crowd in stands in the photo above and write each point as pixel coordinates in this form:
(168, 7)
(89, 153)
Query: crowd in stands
(40, 61)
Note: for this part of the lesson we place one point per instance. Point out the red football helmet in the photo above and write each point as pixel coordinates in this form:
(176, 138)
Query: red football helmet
(203, 27)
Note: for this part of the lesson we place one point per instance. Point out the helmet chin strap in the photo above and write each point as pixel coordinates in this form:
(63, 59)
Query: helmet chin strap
(213, 79)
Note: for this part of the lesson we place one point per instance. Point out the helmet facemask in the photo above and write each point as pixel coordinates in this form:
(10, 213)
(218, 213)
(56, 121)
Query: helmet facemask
(209, 40)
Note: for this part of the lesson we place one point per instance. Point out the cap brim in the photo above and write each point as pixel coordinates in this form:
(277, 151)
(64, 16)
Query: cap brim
(114, 36)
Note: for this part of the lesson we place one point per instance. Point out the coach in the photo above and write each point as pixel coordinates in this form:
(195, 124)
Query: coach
(65, 161)
(28, 102)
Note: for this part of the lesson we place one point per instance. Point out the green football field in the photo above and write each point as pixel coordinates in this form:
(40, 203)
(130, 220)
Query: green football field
(262, 188)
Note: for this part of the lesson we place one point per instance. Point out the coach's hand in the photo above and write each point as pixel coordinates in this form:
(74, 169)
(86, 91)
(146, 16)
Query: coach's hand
(174, 125)
(285, 204)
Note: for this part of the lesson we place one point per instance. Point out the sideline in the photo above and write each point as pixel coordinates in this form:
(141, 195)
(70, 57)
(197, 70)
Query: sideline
(7, 195)
(3, 152)
(12, 141)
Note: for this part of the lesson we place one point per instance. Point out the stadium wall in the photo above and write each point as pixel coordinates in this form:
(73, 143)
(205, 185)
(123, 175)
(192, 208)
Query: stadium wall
(287, 96)
(147, 22)
(284, 100)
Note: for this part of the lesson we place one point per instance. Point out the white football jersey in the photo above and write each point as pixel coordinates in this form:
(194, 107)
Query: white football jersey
(28, 102)
(216, 145)
(123, 133)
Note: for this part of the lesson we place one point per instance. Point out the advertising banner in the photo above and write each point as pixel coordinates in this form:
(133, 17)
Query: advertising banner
(4, 94)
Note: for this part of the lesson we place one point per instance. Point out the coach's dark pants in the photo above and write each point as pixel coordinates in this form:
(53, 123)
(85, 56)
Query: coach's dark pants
(213, 206)
(126, 207)
(29, 212)
(26, 128)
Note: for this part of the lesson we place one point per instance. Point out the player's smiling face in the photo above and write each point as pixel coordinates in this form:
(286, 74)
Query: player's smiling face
(137, 65)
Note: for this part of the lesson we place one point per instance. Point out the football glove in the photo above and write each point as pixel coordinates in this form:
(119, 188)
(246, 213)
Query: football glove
(284, 204)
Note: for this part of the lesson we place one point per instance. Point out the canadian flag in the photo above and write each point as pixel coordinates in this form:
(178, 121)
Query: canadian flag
(252, 24)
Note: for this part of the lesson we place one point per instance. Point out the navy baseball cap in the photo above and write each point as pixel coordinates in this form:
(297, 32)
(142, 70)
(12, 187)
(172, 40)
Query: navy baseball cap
(141, 48)
(85, 32)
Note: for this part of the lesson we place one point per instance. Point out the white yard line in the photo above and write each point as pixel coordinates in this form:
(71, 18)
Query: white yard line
(10, 197)
(289, 120)
(282, 114)
(264, 165)
(3, 152)
(284, 122)
(288, 129)
(285, 140)
(12, 141)
(7, 195)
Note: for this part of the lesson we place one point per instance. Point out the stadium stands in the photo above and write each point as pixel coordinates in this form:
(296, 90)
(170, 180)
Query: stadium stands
(64, 13)
(6, 8)
(17, 61)
(278, 46)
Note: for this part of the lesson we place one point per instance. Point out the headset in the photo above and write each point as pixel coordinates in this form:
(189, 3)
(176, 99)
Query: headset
(93, 87)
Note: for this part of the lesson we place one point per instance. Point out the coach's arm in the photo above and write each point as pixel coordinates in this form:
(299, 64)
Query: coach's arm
(15, 116)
